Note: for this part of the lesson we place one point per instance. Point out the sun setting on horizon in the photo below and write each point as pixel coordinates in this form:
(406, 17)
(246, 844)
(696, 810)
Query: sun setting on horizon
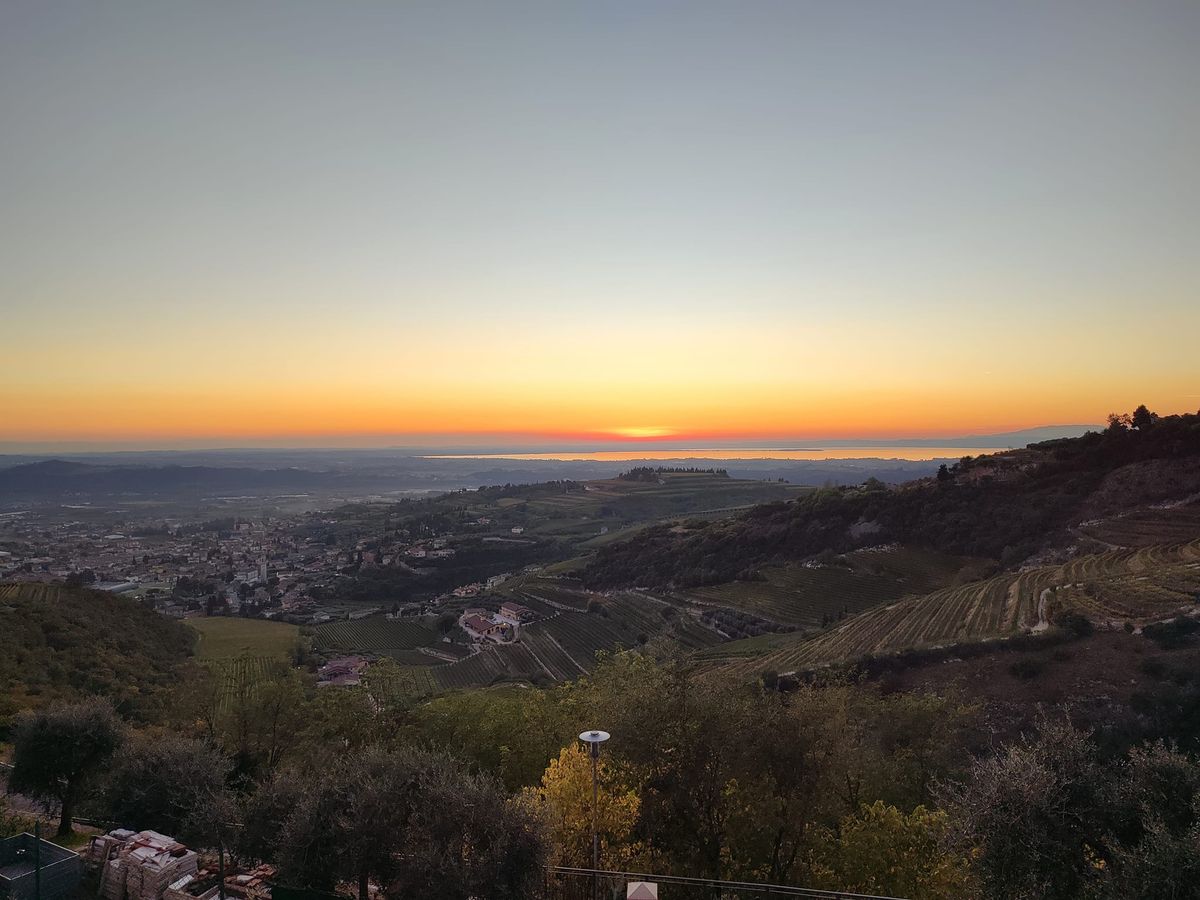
(589, 227)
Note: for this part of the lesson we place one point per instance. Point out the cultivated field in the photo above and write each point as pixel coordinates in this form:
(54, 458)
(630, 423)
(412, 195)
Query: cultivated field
(489, 667)
(401, 683)
(559, 647)
(374, 634)
(1146, 527)
(238, 679)
(225, 638)
(1119, 586)
(810, 596)
(34, 593)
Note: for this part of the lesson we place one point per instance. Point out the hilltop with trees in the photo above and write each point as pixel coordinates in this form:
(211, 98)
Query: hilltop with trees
(1005, 507)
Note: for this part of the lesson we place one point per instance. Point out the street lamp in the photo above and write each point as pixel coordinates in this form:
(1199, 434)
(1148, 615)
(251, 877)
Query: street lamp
(594, 739)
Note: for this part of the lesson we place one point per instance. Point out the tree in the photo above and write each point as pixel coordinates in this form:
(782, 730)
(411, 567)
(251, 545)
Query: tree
(168, 783)
(1155, 832)
(563, 801)
(414, 822)
(58, 750)
(1142, 418)
(469, 839)
(446, 622)
(1033, 816)
(682, 736)
(881, 850)
(943, 474)
(262, 720)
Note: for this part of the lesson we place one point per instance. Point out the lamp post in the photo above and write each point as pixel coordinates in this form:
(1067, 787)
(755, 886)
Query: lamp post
(594, 739)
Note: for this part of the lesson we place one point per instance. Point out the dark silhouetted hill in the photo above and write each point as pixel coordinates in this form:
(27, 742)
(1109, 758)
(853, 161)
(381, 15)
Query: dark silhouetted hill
(1006, 507)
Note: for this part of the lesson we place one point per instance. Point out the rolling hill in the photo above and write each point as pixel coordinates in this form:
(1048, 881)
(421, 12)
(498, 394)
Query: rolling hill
(1006, 507)
(1113, 588)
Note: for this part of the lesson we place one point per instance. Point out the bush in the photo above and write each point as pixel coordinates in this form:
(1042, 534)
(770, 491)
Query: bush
(1155, 668)
(1173, 634)
(1027, 668)
(1074, 624)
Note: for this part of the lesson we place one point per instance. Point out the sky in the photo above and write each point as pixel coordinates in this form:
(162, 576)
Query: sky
(368, 223)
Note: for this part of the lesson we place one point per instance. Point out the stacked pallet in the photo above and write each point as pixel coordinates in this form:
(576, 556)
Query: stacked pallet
(104, 847)
(112, 879)
(145, 866)
(254, 884)
(193, 887)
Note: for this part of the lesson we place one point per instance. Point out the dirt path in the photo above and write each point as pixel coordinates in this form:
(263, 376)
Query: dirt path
(1042, 623)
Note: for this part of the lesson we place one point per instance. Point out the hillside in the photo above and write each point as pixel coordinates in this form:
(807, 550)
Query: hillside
(58, 642)
(1006, 507)
(1115, 589)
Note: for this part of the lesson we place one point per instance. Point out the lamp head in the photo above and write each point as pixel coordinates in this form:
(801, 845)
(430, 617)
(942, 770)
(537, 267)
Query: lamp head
(594, 739)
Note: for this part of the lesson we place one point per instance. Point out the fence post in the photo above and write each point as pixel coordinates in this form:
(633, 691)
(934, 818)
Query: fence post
(37, 860)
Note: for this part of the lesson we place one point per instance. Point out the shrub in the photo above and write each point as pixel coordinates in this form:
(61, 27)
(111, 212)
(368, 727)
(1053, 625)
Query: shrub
(1173, 634)
(1027, 668)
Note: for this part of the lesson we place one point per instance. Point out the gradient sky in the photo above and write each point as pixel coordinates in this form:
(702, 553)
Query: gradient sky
(352, 222)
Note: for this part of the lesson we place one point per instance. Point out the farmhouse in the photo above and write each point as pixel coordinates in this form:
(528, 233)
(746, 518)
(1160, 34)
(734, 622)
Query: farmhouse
(481, 626)
(342, 671)
(477, 625)
(515, 613)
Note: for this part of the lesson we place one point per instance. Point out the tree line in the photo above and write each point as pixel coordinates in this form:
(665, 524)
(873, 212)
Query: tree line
(831, 783)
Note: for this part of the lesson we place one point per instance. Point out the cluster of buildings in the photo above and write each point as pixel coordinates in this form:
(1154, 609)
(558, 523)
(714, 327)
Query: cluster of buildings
(501, 627)
(273, 569)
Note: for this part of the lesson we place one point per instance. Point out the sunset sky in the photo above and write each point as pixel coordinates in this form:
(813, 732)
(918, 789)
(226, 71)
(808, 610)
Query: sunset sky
(377, 223)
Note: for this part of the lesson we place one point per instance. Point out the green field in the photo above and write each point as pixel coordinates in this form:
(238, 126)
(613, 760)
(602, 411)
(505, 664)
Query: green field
(227, 638)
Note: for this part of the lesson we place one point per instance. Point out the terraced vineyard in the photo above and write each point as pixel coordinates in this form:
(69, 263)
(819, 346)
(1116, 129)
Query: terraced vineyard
(374, 634)
(637, 612)
(1125, 585)
(400, 683)
(556, 593)
(1145, 527)
(413, 657)
(582, 634)
(482, 669)
(691, 635)
(238, 679)
(811, 596)
(35, 593)
(553, 658)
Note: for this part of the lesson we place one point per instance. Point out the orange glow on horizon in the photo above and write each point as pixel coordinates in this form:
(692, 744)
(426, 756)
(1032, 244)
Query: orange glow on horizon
(697, 386)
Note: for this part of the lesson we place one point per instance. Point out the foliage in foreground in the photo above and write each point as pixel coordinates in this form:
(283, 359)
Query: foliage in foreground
(834, 785)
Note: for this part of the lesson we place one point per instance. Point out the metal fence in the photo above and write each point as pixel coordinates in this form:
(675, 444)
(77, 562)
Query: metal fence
(33, 869)
(577, 884)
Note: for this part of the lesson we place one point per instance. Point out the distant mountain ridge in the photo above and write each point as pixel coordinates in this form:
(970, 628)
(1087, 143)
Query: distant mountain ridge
(56, 476)
(1014, 439)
